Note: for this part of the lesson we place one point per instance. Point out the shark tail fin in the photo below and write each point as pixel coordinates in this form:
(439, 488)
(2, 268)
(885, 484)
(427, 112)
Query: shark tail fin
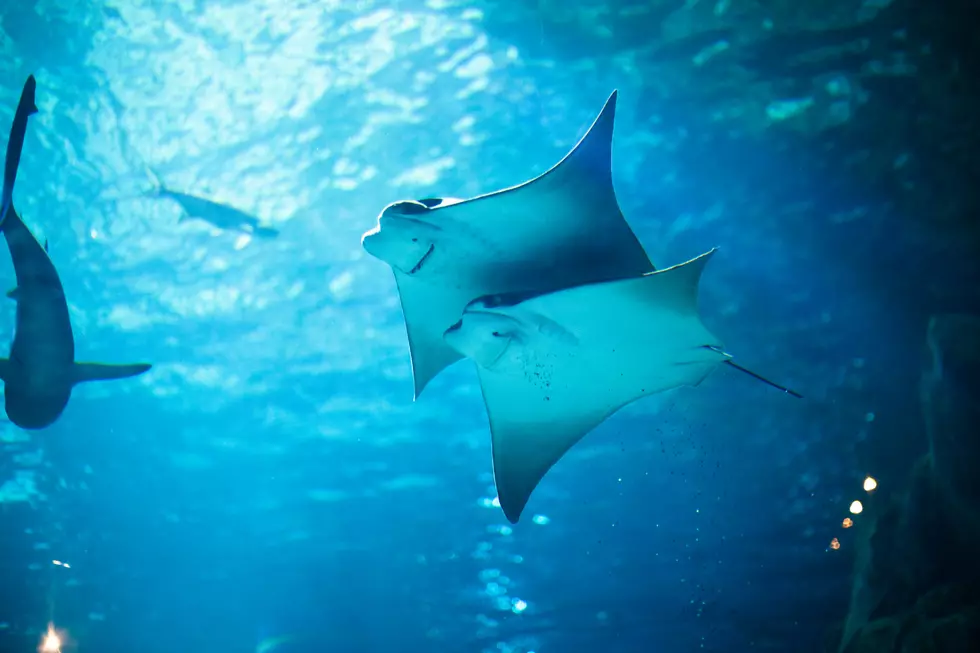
(758, 377)
(26, 107)
(152, 190)
(157, 188)
(104, 372)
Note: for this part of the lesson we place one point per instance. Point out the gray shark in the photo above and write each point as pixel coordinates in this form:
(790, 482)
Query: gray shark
(41, 371)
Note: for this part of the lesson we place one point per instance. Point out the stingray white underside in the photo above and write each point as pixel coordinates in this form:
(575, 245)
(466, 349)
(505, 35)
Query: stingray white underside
(559, 230)
(553, 367)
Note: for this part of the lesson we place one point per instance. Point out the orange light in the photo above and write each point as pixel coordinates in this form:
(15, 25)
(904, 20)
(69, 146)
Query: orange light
(848, 522)
(856, 508)
(834, 544)
(870, 485)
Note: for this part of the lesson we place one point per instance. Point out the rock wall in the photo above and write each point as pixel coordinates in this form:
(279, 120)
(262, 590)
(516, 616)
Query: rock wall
(916, 586)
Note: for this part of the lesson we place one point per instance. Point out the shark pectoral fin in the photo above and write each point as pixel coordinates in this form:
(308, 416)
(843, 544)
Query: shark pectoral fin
(104, 372)
(13, 293)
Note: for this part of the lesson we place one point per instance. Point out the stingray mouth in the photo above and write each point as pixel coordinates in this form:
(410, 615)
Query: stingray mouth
(481, 336)
(425, 257)
(455, 327)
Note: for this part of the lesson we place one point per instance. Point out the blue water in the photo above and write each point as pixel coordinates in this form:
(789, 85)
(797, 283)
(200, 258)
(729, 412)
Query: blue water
(271, 476)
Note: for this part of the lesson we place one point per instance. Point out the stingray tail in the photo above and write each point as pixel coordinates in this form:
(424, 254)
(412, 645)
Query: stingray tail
(754, 375)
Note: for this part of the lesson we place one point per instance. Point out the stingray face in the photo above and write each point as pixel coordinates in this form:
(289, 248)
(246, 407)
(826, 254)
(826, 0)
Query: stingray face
(494, 340)
(404, 238)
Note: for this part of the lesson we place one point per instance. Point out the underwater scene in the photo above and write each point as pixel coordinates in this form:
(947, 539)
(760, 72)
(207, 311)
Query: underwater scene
(490, 326)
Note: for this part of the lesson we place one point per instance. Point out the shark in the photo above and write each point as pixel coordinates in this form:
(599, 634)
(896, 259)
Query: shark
(553, 366)
(40, 371)
(560, 229)
(222, 216)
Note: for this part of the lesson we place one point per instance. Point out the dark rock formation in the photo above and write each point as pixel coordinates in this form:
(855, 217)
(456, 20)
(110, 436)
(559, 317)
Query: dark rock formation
(916, 585)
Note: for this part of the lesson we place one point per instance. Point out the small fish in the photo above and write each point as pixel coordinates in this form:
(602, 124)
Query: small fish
(222, 216)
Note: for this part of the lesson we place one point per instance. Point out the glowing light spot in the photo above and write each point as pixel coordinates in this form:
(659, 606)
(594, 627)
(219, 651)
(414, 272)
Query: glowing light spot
(540, 520)
(848, 522)
(870, 485)
(51, 642)
(519, 606)
(856, 508)
(496, 502)
(834, 544)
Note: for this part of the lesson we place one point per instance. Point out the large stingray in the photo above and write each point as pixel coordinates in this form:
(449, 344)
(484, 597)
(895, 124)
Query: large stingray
(41, 370)
(553, 366)
(561, 229)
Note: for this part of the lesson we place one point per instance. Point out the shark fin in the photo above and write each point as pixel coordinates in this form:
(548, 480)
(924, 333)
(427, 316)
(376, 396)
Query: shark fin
(158, 188)
(104, 372)
(4, 368)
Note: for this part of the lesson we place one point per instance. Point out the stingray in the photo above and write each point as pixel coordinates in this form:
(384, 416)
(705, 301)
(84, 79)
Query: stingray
(561, 229)
(553, 366)
(219, 215)
(41, 370)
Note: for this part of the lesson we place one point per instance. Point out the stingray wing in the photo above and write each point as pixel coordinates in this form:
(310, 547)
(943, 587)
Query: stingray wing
(558, 230)
(531, 427)
(561, 229)
(635, 337)
(426, 307)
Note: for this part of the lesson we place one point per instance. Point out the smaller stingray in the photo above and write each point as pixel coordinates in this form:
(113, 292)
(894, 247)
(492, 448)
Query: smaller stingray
(561, 229)
(222, 216)
(41, 371)
(552, 367)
